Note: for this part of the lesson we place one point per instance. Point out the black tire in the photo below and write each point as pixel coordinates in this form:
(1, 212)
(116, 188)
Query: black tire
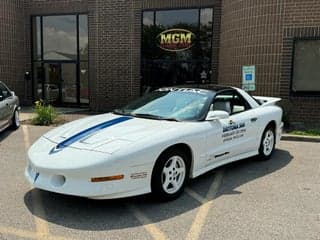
(15, 124)
(267, 144)
(159, 177)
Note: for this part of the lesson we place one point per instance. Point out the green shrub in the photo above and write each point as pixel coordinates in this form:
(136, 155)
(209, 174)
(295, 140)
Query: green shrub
(45, 114)
(310, 132)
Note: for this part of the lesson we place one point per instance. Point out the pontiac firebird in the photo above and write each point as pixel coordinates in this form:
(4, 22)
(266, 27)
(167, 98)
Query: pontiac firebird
(155, 144)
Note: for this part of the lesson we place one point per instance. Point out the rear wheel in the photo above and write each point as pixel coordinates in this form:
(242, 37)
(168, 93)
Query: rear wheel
(267, 144)
(170, 174)
(15, 120)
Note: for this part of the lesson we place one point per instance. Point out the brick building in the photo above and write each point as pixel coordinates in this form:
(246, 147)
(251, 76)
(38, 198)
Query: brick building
(103, 53)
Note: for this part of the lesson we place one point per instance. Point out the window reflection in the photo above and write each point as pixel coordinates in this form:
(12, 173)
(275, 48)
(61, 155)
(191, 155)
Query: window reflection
(84, 88)
(163, 67)
(83, 37)
(148, 18)
(205, 33)
(36, 27)
(177, 17)
(60, 37)
(57, 40)
(306, 71)
(37, 75)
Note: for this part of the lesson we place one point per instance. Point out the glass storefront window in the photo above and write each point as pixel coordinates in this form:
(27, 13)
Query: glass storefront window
(148, 18)
(173, 18)
(84, 88)
(176, 47)
(68, 82)
(83, 37)
(306, 71)
(60, 37)
(36, 27)
(37, 78)
(205, 34)
(60, 50)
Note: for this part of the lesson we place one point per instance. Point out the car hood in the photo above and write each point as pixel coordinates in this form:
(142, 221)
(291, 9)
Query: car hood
(106, 133)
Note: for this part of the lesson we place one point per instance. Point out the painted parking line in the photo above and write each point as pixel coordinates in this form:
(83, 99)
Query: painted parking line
(199, 221)
(41, 225)
(196, 195)
(155, 232)
(28, 234)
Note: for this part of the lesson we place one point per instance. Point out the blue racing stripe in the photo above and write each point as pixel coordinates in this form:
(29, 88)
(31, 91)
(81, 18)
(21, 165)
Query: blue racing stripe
(87, 132)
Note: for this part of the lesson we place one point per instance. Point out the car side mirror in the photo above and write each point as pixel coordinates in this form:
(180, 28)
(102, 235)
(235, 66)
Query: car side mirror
(216, 115)
(13, 93)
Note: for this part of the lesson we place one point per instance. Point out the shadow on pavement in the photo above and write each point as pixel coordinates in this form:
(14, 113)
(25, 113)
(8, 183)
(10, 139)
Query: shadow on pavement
(101, 215)
(5, 133)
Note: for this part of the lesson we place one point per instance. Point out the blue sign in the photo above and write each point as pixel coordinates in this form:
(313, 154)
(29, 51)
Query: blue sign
(249, 77)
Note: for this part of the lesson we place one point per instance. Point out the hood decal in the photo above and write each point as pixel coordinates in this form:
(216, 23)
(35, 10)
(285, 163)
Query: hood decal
(87, 132)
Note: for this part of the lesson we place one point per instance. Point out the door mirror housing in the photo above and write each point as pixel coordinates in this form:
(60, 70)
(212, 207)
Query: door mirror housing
(13, 93)
(216, 115)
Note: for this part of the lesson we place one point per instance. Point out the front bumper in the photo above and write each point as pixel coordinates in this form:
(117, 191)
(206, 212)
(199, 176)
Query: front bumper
(78, 183)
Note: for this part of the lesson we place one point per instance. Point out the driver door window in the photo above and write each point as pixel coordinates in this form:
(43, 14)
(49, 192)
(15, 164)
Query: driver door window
(230, 102)
(239, 104)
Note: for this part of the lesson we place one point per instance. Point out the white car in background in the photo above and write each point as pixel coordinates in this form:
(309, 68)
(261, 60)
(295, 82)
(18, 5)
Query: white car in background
(155, 144)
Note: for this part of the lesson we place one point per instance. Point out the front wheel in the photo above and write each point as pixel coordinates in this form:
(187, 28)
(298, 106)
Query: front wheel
(15, 120)
(267, 144)
(170, 174)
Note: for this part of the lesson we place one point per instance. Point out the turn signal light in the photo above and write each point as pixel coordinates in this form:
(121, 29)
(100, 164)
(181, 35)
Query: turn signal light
(109, 178)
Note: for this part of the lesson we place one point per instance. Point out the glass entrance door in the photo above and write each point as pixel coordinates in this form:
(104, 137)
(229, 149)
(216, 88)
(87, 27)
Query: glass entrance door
(60, 83)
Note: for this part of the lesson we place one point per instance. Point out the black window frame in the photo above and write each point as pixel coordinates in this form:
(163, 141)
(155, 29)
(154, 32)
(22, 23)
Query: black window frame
(43, 61)
(300, 93)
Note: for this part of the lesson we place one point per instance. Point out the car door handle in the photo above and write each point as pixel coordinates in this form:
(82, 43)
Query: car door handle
(253, 119)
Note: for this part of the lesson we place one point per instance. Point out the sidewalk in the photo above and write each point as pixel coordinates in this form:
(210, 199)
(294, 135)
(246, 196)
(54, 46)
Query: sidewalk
(301, 138)
(69, 114)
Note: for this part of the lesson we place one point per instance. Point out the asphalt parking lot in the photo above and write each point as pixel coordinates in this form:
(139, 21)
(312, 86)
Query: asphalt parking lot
(277, 199)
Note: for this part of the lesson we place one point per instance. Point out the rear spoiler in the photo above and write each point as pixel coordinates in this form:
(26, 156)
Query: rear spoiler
(267, 101)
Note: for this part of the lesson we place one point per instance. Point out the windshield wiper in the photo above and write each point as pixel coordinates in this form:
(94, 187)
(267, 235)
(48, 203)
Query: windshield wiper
(120, 112)
(150, 116)
(170, 119)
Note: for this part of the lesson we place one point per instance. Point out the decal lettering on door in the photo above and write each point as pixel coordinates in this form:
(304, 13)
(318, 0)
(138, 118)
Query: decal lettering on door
(233, 131)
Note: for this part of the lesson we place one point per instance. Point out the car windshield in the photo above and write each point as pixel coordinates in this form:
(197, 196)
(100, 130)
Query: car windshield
(172, 105)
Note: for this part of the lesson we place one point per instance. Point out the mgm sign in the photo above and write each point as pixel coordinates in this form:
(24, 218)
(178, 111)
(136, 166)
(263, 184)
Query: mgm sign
(174, 40)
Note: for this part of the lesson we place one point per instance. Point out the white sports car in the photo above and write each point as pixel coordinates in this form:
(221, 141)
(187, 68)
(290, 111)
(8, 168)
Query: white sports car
(155, 144)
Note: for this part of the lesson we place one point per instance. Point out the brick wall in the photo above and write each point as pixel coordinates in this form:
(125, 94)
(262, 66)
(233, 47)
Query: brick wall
(113, 52)
(11, 45)
(251, 35)
(301, 20)
(261, 33)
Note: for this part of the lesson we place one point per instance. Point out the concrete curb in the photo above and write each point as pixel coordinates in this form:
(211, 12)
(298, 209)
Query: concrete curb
(291, 137)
